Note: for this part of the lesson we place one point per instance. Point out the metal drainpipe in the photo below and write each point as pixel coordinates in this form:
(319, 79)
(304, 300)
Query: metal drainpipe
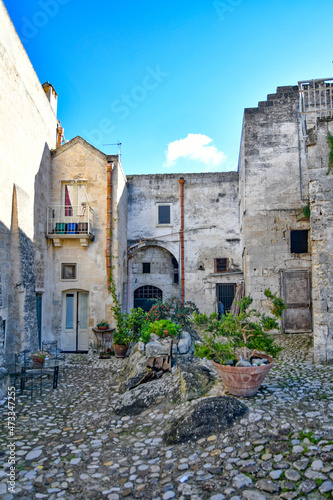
(109, 168)
(60, 133)
(182, 286)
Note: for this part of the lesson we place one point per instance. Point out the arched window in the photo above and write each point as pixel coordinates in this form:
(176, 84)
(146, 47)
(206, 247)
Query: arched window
(145, 295)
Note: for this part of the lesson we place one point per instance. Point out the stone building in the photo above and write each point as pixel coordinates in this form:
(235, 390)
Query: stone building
(212, 252)
(70, 218)
(286, 206)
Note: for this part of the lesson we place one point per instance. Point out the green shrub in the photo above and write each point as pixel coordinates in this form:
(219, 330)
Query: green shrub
(176, 310)
(244, 334)
(164, 328)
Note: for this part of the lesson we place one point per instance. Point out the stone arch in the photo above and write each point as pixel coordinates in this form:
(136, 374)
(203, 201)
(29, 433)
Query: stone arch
(152, 265)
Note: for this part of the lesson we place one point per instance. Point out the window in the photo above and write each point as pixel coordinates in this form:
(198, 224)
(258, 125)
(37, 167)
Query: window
(299, 241)
(68, 272)
(164, 214)
(145, 297)
(74, 198)
(146, 267)
(225, 297)
(221, 265)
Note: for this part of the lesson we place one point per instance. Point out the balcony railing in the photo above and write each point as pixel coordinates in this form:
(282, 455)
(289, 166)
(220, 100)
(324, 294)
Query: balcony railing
(70, 221)
(316, 100)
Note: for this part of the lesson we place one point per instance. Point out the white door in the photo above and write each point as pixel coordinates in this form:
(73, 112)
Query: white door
(75, 321)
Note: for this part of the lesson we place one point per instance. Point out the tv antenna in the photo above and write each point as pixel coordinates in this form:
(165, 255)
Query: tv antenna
(115, 144)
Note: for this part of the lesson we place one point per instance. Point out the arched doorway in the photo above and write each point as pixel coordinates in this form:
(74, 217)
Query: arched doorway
(144, 296)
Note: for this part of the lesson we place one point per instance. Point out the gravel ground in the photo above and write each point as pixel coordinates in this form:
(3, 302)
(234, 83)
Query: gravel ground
(69, 445)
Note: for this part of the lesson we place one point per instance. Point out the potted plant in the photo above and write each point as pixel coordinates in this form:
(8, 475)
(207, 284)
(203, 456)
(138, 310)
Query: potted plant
(105, 354)
(103, 325)
(241, 347)
(39, 357)
(122, 338)
(164, 328)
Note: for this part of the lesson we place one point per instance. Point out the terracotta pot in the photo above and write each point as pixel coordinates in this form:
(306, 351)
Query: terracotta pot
(244, 381)
(103, 328)
(38, 361)
(120, 350)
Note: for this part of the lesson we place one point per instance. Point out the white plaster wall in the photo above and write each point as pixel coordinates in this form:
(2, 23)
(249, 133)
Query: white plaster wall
(211, 226)
(28, 123)
(28, 133)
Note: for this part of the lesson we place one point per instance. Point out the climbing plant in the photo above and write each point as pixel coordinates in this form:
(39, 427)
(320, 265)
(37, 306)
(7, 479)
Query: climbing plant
(307, 211)
(330, 158)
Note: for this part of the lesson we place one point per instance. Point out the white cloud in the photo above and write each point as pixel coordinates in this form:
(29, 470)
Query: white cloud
(195, 147)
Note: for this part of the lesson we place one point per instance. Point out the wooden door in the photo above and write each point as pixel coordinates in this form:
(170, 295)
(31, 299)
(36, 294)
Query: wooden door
(296, 293)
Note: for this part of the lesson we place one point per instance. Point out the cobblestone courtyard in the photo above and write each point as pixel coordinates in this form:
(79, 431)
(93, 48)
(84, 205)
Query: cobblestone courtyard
(70, 445)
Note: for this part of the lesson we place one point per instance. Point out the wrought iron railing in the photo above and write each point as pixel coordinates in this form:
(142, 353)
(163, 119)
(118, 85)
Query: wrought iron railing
(69, 220)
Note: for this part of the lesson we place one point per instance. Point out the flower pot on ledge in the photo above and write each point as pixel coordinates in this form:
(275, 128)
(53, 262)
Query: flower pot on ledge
(38, 361)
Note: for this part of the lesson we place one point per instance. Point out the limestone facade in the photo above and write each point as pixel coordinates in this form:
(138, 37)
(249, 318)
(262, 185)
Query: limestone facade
(211, 231)
(28, 134)
(69, 214)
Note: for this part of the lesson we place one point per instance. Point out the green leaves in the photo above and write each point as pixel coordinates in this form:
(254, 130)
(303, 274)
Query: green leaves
(330, 158)
(244, 334)
(178, 311)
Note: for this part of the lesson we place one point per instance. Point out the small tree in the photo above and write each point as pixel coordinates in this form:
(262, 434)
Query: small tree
(243, 335)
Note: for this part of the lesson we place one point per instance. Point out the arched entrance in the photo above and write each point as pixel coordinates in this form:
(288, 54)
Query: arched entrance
(144, 296)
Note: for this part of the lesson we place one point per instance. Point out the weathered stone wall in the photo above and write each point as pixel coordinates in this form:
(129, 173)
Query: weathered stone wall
(28, 130)
(79, 161)
(119, 231)
(321, 202)
(211, 231)
(270, 198)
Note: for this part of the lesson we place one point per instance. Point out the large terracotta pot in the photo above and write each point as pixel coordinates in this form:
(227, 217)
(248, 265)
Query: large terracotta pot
(120, 350)
(244, 381)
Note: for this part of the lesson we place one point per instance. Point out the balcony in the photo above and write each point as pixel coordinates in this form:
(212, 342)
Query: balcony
(70, 222)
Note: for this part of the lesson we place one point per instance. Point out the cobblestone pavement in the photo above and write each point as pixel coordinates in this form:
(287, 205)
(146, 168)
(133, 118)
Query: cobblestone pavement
(70, 445)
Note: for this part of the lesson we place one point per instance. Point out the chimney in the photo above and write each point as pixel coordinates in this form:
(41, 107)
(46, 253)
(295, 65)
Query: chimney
(51, 95)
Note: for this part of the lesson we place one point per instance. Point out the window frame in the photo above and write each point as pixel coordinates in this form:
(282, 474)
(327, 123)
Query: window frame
(226, 270)
(62, 267)
(293, 231)
(164, 224)
(146, 265)
(68, 204)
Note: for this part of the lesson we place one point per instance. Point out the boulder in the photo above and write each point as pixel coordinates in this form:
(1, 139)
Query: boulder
(187, 381)
(144, 396)
(184, 344)
(208, 416)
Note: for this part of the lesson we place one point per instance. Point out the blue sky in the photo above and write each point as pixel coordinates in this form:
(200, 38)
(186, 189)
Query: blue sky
(170, 80)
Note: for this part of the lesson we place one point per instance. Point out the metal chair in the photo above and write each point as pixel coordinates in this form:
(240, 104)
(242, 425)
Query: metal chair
(16, 370)
(30, 373)
(51, 346)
